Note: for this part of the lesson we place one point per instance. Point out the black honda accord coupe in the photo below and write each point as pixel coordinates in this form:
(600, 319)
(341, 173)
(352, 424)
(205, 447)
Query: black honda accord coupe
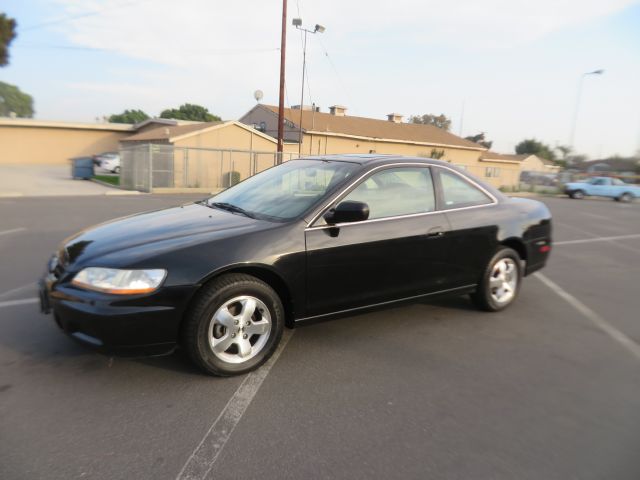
(306, 240)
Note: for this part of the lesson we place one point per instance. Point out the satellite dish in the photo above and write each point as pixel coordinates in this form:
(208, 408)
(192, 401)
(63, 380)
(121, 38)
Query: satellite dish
(258, 94)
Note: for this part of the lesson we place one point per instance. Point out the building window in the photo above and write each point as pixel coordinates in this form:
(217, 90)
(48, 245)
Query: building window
(492, 172)
(461, 167)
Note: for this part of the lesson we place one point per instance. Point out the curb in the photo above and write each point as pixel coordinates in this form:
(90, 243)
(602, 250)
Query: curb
(11, 194)
(115, 189)
(122, 192)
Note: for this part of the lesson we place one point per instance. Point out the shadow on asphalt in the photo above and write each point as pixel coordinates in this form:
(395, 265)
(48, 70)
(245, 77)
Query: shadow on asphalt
(178, 362)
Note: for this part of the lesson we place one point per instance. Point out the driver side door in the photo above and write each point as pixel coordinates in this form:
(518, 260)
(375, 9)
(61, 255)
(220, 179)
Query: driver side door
(398, 252)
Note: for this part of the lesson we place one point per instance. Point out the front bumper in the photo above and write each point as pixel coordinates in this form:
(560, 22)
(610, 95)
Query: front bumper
(124, 325)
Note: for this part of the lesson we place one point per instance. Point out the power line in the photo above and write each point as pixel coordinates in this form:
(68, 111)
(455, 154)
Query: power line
(221, 51)
(78, 16)
(335, 71)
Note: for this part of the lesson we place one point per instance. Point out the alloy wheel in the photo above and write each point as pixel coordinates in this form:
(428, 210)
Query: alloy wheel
(239, 329)
(503, 280)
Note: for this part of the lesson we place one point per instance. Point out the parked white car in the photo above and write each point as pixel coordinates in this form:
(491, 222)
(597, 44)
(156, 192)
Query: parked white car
(109, 161)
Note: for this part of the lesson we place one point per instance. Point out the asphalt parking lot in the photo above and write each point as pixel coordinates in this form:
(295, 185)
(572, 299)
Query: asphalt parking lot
(548, 389)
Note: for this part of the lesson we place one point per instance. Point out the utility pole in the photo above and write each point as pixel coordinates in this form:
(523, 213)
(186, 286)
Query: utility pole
(283, 47)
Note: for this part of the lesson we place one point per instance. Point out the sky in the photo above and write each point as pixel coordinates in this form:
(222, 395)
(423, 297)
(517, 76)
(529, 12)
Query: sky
(509, 68)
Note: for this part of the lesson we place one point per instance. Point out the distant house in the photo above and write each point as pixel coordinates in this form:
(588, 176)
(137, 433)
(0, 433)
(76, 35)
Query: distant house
(621, 166)
(527, 162)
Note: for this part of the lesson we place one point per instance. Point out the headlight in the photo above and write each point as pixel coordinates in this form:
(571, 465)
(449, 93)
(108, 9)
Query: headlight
(120, 282)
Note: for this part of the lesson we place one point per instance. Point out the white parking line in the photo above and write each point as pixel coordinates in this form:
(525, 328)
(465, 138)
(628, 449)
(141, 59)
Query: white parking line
(13, 291)
(604, 326)
(206, 453)
(597, 239)
(13, 230)
(24, 301)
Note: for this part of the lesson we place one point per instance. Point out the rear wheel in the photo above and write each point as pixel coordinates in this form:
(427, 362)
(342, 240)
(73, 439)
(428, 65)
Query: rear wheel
(577, 194)
(234, 325)
(500, 282)
(116, 170)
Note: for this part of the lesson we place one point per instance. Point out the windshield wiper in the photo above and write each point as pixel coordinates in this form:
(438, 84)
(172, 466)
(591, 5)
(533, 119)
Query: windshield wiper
(231, 208)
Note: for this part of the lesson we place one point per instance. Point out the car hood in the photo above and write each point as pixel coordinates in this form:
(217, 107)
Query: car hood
(147, 228)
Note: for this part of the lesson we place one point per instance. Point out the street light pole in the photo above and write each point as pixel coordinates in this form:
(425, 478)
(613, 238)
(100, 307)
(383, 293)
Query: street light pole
(574, 123)
(283, 47)
(297, 22)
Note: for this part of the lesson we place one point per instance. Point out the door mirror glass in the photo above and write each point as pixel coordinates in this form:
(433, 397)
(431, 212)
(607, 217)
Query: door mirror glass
(346, 212)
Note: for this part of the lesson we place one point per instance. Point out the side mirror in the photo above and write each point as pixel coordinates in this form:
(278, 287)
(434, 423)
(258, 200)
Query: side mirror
(346, 212)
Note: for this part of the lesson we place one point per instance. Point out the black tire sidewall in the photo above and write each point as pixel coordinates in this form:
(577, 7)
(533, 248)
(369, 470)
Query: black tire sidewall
(207, 358)
(577, 194)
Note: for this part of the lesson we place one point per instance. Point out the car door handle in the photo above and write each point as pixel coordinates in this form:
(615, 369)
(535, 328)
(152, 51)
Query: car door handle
(435, 232)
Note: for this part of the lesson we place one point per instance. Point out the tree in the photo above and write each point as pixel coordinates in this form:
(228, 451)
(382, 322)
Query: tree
(15, 102)
(480, 139)
(440, 121)
(564, 150)
(535, 147)
(189, 111)
(7, 34)
(128, 116)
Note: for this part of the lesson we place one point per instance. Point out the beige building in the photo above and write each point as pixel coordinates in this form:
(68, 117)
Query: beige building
(198, 154)
(25, 141)
(336, 132)
(34, 142)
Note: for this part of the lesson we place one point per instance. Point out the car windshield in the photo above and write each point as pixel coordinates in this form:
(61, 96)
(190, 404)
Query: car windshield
(286, 191)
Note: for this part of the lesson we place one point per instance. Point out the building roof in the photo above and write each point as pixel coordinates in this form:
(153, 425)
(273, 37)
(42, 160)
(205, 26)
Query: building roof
(172, 133)
(32, 122)
(169, 132)
(163, 121)
(362, 127)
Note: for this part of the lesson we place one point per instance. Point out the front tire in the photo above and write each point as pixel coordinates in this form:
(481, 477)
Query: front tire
(500, 283)
(577, 194)
(625, 197)
(234, 325)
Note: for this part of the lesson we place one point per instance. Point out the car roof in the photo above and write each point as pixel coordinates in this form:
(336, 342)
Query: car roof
(372, 158)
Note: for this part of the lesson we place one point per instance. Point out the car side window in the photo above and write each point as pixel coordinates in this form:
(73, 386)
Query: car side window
(396, 191)
(617, 181)
(600, 181)
(458, 193)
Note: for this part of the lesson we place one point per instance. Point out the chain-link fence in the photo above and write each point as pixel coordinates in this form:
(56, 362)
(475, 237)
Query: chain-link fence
(148, 167)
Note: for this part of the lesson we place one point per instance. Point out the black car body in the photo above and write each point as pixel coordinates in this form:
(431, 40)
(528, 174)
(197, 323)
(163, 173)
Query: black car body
(317, 268)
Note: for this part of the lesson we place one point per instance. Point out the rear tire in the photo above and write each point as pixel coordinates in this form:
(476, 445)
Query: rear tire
(577, 194)
(500, 282)
(234, 325)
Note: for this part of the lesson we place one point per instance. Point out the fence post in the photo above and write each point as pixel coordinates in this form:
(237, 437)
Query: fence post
(185, 167)
(150, 168)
